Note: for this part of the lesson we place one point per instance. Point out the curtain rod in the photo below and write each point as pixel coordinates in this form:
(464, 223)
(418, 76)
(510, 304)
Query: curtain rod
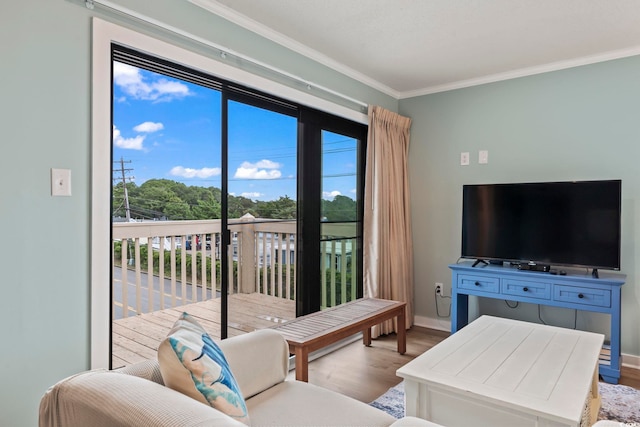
(223, 51)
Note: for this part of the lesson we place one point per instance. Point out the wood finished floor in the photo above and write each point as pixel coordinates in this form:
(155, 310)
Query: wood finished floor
(365, 373)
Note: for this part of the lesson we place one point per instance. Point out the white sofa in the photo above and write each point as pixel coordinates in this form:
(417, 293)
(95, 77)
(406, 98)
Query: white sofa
(136, 396)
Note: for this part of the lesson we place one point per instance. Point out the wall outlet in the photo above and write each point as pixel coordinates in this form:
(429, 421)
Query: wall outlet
(464, 158)
(438, 288)
(483, 157)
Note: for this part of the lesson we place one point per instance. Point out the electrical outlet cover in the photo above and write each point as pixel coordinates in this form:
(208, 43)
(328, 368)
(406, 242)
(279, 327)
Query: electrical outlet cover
(464, 159)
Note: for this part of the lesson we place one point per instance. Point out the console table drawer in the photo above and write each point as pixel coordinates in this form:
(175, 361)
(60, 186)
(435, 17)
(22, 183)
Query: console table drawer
(519, 288)
(479, 283)
(584, 296)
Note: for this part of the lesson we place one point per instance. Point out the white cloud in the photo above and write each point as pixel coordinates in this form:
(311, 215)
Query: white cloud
(251, 195)
(330, 195)
(127, 143)
(171, 88)
(194, 173)
(265, 164)
(353, 191)
(263, 169)
(133, 83)
(149, 127)
(126, 75)
(253, 173)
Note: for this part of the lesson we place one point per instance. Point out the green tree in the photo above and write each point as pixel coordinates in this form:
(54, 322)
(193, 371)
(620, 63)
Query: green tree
(164, 198)
(341, 208)
(239, 206)
(207, 208)
(283, 208)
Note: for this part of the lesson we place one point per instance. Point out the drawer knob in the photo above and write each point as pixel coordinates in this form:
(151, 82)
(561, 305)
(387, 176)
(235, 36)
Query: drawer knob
(477, 283)
(580, 296)
(525, 289)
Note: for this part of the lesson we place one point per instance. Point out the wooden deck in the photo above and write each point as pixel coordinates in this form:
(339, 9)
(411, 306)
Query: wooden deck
(137, 338)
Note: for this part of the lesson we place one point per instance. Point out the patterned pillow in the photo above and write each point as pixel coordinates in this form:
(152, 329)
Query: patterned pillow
(191, 363)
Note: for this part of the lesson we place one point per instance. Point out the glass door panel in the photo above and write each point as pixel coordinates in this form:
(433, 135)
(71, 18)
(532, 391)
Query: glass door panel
(262, 212)
(340, 239)
(166, 208)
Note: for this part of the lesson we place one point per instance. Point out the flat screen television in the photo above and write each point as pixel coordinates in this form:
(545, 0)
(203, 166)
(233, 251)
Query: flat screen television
(574, 223)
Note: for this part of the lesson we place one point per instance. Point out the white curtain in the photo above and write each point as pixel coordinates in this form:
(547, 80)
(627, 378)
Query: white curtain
(388, 247)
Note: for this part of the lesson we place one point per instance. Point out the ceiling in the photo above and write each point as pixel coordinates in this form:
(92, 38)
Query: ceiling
(413, 47)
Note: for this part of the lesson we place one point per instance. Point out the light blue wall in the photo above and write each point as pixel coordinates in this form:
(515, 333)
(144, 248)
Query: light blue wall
(576, 124)
(45, 108)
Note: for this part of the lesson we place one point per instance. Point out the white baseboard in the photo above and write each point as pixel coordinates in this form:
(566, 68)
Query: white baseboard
(628, 360)
(631, 361)
(431, 323)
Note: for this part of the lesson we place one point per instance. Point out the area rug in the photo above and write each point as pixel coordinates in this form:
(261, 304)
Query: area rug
(619, 403)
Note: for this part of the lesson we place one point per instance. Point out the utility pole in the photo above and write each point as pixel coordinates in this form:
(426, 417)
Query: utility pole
(125, 178)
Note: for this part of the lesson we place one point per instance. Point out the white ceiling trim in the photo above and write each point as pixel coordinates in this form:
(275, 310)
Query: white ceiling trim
(242, 20)
(523, 72)
(292, 44)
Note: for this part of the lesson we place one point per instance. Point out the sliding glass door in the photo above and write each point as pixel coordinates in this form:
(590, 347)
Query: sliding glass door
(233, 205)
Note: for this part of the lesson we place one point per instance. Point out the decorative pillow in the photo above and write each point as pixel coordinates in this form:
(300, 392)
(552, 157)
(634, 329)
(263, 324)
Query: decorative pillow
(191, 363)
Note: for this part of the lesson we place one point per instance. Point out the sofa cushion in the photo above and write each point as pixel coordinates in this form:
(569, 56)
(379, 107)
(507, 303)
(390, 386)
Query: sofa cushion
(300, 404)
(259, 360)
(110, 399)
(191, 363)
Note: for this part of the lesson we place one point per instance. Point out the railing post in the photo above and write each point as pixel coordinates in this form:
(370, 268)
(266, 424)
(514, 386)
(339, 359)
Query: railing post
(247, 255)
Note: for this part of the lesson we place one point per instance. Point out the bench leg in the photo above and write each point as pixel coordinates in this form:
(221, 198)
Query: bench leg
(366, 337)
(302, 364)
(402, 332)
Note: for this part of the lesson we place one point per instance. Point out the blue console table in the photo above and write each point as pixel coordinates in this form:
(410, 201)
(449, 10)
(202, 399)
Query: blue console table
(574, 291)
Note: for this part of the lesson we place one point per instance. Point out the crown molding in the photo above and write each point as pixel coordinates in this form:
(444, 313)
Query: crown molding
(242, 20)
(524, 72)
(279, 38)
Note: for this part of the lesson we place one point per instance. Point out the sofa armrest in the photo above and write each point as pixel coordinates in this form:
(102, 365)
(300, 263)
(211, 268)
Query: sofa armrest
(110, 399)
(259, 360)
(147, 369)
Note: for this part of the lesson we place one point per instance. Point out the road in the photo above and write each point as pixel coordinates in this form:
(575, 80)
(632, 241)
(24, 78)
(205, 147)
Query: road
(144, 292)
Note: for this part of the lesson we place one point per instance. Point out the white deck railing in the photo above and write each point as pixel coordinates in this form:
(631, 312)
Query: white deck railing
(262, 251)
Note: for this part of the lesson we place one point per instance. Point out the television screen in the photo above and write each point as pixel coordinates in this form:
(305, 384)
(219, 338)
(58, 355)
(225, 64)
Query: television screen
(554, 223)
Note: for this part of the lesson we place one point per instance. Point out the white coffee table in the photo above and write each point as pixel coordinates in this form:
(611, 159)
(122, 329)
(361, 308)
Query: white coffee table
(501, 372)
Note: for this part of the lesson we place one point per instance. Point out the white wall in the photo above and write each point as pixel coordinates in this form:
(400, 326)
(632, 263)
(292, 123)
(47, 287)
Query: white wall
(576, 124)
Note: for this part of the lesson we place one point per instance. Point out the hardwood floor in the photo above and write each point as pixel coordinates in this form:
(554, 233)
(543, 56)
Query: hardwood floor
(630, 377)
(365, 373)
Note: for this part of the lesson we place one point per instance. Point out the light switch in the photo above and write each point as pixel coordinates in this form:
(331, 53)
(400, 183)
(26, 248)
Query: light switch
(60, 182)
(483, 157)
(464, 159)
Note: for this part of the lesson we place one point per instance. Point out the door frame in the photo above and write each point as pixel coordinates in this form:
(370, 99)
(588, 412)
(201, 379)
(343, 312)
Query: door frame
(103, 35)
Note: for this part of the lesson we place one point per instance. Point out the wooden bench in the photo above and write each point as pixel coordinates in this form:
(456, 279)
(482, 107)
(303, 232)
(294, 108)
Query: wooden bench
(317, 330)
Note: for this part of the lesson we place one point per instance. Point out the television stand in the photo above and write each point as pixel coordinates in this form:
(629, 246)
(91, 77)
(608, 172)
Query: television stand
(577, 291)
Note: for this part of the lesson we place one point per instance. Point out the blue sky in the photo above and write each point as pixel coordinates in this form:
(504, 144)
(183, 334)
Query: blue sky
(170, 129)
